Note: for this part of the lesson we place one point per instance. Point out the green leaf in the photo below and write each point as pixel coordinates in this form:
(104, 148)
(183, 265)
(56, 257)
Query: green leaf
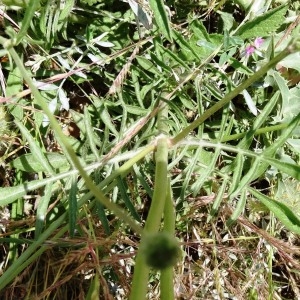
(174, 56)
(42, 210)
(126, 200)
(288, 168)
(147, 65)
(94, 289)
(90, 133)
(292, 61)
(205, 48)
(161, 17)
(187, 49)
(228, 20)
(38, 155)
(29, 163)
(199, 30)
(135, 110)
(263, 25)
(100, 210)
(14, 85)
(282, 84)
(73, 206)
(240, 207)
(280, 210)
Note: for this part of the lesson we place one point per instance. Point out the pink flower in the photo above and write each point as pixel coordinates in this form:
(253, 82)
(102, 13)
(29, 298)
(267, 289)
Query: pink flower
(249, 50)
(254, 46)
(258, 42)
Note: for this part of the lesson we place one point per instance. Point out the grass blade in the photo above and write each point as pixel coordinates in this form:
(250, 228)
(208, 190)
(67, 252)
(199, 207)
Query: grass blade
(126, 200)
(73, 206)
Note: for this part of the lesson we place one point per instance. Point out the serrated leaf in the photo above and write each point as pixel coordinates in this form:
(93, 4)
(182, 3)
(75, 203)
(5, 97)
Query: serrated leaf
(264, 24)
(29, 163)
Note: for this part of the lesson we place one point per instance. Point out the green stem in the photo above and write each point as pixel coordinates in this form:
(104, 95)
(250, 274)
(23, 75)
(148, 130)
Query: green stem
(231, 95)
(160, 191)
(166, 279)
(141, 271)
(68, 149)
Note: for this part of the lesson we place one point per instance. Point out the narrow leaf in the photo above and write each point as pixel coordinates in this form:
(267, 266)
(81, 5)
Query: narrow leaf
(42, 210)
(29, 163)
(292, 170)
(102, 217)
(73, 207)
(250, 102)
(280, 210)
(126, 200)
(35, 149)
(239, 208)
(10, 194)
(161, 17)
(90, 133)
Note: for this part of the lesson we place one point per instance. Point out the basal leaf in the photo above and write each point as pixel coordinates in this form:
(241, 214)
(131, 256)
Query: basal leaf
(263, 25)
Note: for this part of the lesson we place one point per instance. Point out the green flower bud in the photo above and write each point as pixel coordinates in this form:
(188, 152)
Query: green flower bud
(160, 250)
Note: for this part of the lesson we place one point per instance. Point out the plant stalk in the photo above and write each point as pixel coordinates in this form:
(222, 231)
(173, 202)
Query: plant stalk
(167, 277)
